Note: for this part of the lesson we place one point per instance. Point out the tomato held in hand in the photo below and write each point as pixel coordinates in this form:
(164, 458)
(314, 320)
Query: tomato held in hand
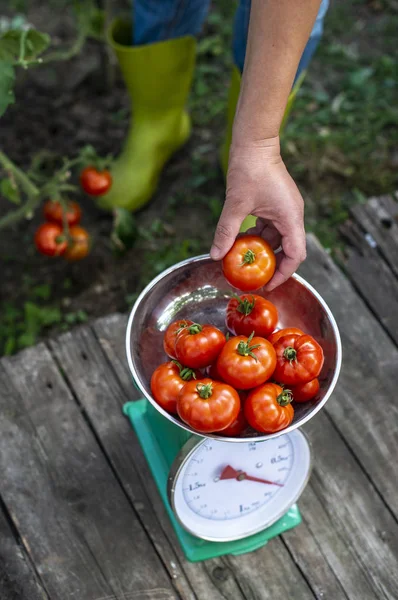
(208, 405)
(245, 362)
(167, 382)
(54, 212)
(274, 337)
(50, 239)
(170, 335)
(249, 264)
(79, 244)
(198, 346)
(94, 182)
(237, 427)
(299, 359)
(305, 391)
(268, 408)
(249, 313)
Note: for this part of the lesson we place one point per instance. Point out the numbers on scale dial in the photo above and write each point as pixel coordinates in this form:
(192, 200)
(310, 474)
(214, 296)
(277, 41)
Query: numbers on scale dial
(214, 497)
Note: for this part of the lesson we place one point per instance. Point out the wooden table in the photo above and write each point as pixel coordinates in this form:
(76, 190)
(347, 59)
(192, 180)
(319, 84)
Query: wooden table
(81, 519)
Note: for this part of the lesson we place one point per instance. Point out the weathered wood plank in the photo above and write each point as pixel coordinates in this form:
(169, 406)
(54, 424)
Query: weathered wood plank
(95, 383)
(303, 541)
(361, 407)
(372, 276)
(378, 217)
(18, 580)
(74, 519)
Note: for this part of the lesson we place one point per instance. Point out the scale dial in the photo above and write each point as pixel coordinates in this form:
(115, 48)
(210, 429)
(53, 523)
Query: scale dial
(221, 491)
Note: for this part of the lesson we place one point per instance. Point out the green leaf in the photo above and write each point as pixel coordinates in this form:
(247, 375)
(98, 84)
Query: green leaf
(9, 190)
(7, 78)
(42, 291)
(34, 43)
(124, 231)
(10, 345)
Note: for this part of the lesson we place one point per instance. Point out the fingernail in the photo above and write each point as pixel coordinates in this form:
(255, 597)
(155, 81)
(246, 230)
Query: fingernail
(215, 253)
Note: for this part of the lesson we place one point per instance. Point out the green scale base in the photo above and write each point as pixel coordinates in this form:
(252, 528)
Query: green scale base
(161, 441)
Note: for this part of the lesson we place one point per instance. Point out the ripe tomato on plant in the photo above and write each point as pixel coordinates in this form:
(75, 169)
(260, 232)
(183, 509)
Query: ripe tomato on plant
(249, 264)
(305, 391)
(246, 362)
(198, 346)
(50, 239)
(79, 244)
(237, 427)
(94, 182)
(171, 334)
(167, 381)
(274, 337)
(249, 313)
(299, 359)
(54, 212)
(268, 408)
(208, 405)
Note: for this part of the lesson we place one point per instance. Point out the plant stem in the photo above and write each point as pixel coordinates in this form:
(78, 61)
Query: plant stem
(29, 188)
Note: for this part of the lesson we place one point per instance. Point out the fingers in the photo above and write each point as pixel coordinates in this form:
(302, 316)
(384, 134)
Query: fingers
(287, 262)
(227, 230)
(267, 231)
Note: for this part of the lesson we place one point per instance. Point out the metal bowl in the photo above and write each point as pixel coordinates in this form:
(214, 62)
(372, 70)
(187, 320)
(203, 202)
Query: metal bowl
(196, 289)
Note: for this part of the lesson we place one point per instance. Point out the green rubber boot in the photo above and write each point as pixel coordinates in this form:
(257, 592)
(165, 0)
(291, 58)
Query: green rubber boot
(158, 78)
(233, 96)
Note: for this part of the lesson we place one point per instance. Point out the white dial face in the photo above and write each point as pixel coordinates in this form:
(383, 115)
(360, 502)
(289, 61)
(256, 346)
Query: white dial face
(226, 491)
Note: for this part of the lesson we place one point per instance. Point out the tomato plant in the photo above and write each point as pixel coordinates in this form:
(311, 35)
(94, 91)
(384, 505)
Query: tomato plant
(305, 391)
(208, 405)
(274, 337)
(198, 346)
(249, 313)
(246, 362)
(299, 358)
(56, 212)
(167, 381)
(249, 264)
(95, 182)
(79, 244)
(50, 240)
(170, 335)
(268, 408)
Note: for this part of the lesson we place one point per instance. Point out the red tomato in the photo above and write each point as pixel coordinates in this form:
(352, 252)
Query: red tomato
(245, 362)
(50, 239)
(198, 346)
(213, 373)
(274, 337)
(237, 427)
(299, 358)
(208, 405)
(54, 212)
(79, 246)
(268, 408)
(169, 339)
(251, 313)
(94, 182)
(167, 381)
(249, 264)
(305, 391)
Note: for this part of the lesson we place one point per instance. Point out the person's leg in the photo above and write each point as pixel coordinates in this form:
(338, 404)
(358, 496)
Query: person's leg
(241, 29)
(159, 20)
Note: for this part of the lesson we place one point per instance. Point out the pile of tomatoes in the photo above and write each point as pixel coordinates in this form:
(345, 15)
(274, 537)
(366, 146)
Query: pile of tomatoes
(61, 234)
(249, 377)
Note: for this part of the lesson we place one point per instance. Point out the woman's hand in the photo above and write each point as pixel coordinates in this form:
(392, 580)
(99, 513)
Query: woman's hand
(259, 184)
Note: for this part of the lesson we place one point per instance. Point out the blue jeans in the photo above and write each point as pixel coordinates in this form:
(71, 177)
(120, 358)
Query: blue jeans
(157, 20)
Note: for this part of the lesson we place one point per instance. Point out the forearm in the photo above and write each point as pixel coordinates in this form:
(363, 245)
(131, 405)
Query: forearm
(278, 33)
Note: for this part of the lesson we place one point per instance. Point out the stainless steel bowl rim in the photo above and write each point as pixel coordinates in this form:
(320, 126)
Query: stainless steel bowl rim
(177, 422)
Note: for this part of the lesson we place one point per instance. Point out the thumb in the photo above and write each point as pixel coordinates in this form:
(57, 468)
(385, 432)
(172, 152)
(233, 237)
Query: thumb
(226, 231)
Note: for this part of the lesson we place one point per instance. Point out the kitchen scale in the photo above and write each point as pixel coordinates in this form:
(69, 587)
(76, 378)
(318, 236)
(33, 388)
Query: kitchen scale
(223, 495)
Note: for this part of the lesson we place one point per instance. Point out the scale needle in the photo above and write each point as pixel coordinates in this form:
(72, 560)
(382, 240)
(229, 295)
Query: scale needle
(231, 473)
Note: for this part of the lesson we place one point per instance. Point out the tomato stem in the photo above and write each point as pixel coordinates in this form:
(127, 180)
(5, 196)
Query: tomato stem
(204, 390)
(290, 354)
(245, 306)
(195, 328)
(248, 258)
(181, 325)
(246, 349)
(284, 398)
